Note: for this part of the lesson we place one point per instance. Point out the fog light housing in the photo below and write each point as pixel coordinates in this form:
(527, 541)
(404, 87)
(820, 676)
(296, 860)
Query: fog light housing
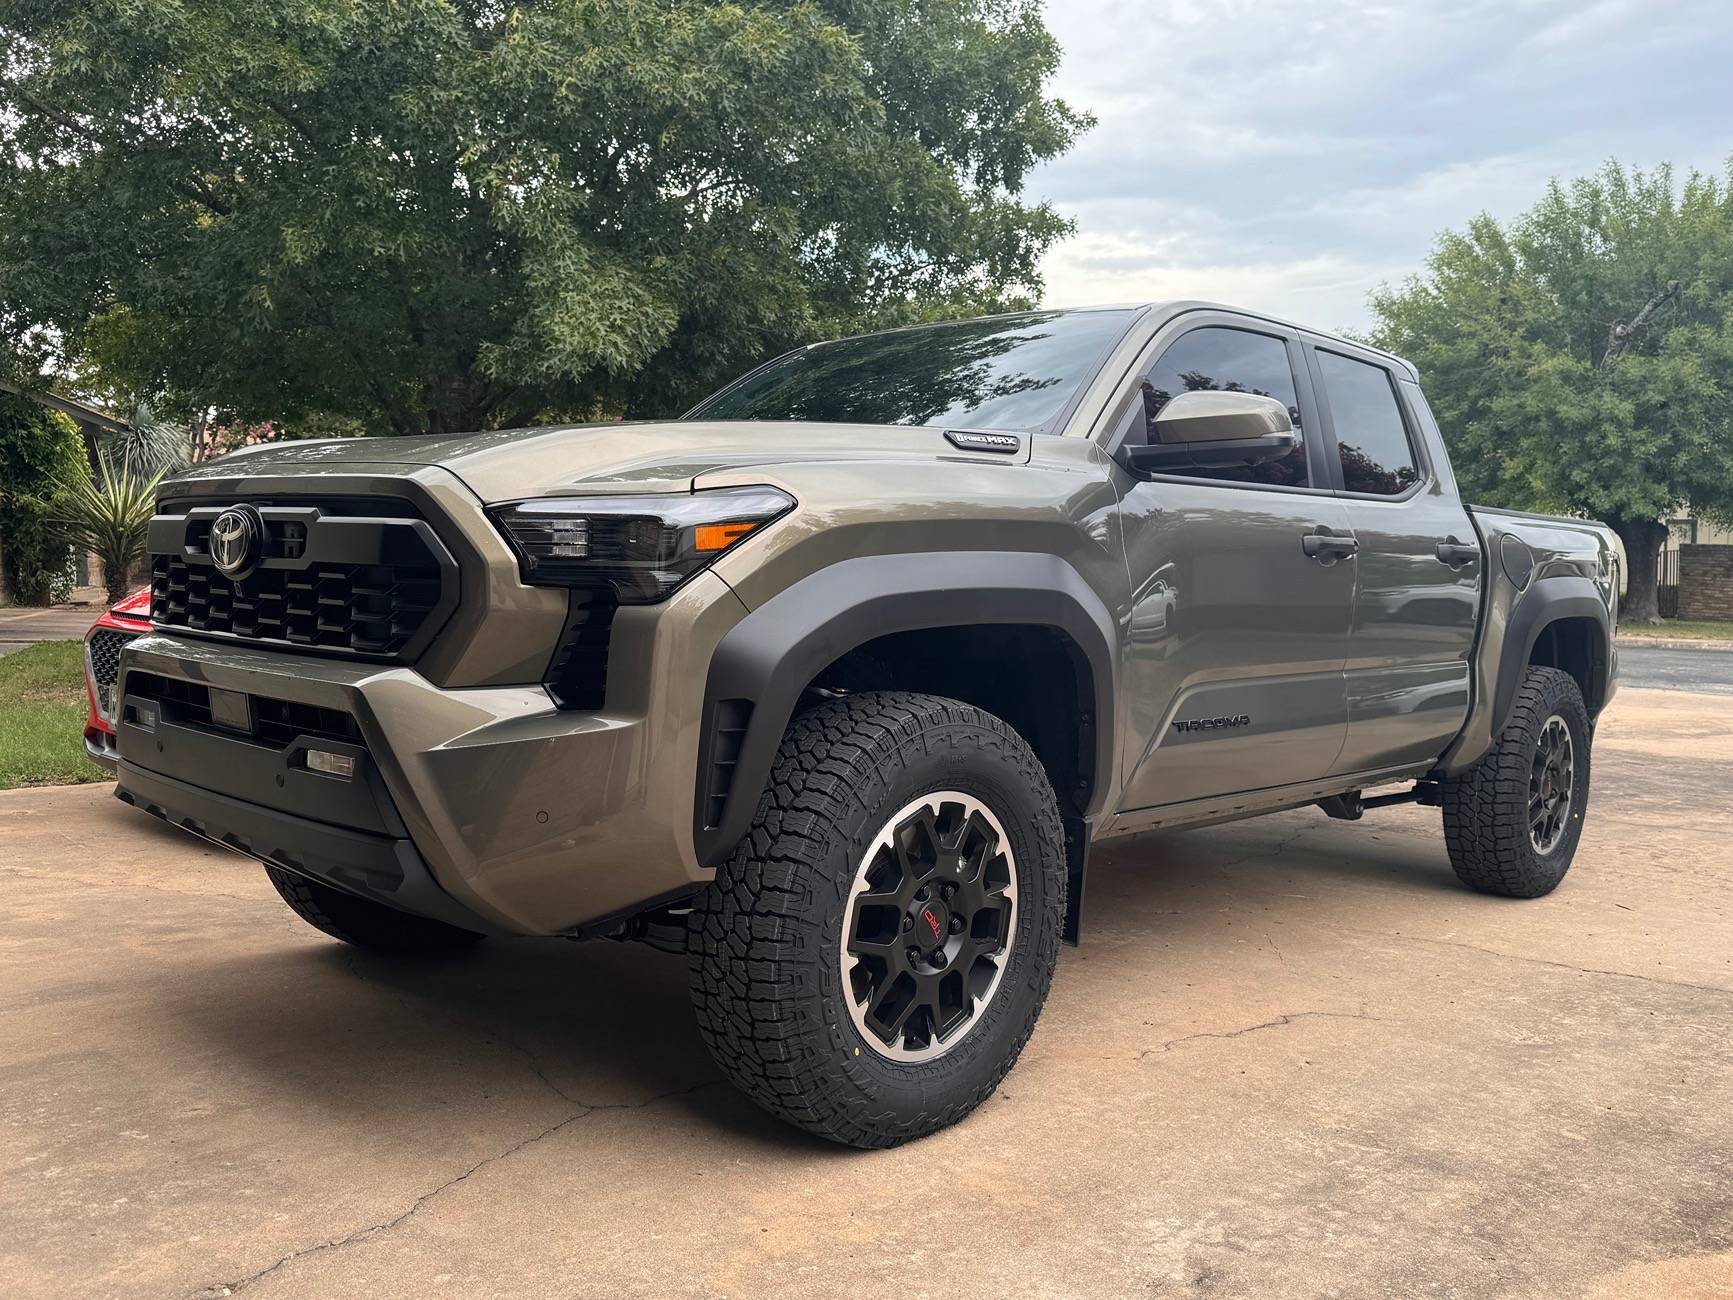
(331, 764)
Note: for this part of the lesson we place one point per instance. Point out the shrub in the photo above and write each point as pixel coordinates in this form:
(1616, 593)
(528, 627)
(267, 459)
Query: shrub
(40, 450)
(109, 518)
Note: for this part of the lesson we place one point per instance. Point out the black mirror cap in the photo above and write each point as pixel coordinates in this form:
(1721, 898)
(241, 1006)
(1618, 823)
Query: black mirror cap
(1233, 453)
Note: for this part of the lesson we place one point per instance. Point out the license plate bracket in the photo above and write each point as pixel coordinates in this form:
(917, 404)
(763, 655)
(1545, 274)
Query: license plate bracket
(232, 710)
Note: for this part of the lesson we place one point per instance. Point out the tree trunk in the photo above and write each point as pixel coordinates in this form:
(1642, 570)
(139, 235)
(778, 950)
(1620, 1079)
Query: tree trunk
(1643, 539)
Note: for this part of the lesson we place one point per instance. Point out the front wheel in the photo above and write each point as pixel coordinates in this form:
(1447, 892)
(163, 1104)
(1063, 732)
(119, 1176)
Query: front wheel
(870, 962)
(1512, 821)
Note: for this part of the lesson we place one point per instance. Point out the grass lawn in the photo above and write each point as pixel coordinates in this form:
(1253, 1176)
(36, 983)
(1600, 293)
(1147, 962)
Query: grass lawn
(42, 712)
(1680, 628)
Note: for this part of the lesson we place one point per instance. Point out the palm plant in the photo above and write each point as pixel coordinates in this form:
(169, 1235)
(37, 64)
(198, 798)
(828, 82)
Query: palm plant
(109, 515)
(148, 443)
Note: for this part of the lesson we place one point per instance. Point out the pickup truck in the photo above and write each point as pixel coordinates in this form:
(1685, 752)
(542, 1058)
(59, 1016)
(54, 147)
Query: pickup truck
(832, 683)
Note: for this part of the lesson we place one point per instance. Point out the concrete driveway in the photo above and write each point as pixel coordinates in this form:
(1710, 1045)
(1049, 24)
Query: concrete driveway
(1291, 1059)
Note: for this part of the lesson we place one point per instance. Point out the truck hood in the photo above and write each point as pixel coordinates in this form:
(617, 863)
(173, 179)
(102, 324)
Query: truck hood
(665, 456)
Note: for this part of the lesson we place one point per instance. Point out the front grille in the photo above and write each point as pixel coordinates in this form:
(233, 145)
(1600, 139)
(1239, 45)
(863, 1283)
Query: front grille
(326, 578)
(104, 649)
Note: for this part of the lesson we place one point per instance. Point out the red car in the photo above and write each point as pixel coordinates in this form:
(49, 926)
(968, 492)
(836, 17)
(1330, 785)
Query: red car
(102, 647)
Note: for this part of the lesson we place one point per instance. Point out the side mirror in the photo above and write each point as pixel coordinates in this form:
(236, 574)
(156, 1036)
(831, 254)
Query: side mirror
(1212, 429)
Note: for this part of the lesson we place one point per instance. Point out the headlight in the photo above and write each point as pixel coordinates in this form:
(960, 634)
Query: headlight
(642, 547)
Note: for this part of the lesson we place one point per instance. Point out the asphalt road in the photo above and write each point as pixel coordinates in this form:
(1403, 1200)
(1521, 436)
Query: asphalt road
(22, 626)
(1292, 1058)
(1649, 668)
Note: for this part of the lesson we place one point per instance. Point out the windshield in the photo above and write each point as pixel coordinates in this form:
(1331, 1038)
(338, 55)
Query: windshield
(1002, 372)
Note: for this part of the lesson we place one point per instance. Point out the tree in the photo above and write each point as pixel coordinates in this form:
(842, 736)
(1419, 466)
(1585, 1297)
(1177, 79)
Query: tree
(1580, 360)
(447, 214)
(39, 451)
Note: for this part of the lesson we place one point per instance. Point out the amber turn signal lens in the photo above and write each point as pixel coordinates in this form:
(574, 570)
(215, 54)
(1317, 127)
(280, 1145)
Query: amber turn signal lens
(719, 537)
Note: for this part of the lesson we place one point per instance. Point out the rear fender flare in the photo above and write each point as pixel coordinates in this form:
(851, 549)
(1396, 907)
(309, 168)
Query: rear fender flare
(1548, 601)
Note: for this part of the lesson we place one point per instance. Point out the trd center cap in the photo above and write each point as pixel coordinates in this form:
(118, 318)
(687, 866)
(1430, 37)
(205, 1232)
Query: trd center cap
(932, 924)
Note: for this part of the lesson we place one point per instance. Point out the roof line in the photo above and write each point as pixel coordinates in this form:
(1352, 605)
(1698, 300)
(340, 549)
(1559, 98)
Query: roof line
(82, 412)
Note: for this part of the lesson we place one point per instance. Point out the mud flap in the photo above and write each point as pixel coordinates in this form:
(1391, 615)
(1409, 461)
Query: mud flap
(1077, 836)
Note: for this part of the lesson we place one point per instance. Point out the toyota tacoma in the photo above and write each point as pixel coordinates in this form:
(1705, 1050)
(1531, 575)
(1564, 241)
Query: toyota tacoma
(832, 683)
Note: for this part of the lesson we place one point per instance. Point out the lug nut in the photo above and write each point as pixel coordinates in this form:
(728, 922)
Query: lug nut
(908, 924)
(947, 892)
(923, 894)
(956, 925)
(939, 958)
(914, 956)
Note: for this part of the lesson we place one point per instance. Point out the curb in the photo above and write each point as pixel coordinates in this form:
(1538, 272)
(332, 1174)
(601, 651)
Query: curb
(1670, 643)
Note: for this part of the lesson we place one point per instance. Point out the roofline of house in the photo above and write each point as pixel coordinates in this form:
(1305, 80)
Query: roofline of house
(81, 412)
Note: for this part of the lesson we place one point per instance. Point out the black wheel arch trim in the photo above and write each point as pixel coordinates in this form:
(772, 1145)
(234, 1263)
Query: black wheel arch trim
(770, 656)
(1547, 602)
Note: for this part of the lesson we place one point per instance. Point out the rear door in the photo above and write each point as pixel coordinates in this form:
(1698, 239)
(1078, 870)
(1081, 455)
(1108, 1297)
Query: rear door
(1419, 568)
(1233, 671)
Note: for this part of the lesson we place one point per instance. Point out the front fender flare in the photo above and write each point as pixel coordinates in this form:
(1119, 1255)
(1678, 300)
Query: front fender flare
(764, 663)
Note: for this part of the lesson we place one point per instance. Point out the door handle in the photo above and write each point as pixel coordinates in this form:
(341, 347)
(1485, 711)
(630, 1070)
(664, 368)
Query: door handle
(1327, 546)
(1458, 554)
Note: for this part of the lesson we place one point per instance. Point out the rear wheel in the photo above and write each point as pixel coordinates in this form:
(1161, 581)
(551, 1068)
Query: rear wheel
(364, 923)
(872, 959)
(1513, 820)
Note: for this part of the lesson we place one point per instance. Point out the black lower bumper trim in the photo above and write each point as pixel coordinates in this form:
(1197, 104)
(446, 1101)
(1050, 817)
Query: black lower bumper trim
(102, 753)
(382, 868)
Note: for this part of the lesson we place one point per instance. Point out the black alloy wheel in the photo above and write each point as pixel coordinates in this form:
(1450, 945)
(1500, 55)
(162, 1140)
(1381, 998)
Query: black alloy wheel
(1551, 781)
(928, 926)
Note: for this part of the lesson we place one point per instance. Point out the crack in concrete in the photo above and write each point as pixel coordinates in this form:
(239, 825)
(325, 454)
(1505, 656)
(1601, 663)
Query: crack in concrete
(1535, 961)
(1287, 1018)
(530, 1058)
(374, 1230)
(1281, 846)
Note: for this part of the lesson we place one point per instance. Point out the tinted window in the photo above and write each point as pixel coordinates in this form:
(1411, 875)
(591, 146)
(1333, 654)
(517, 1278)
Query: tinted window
(1236, 361)
(1006, 372)
(1376, 456)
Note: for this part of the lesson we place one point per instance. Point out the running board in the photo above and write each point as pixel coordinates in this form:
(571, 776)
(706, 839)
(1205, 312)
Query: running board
(1351, 806)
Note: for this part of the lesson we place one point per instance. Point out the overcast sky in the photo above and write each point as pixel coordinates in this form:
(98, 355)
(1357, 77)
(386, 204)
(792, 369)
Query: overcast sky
(1290, 156)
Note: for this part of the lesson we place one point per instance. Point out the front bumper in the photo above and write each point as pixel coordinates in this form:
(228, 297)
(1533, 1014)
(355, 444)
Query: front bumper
(384, 868)
(487, 807)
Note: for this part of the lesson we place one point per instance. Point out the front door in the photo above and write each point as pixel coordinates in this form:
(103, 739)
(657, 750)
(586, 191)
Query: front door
(1233, 676)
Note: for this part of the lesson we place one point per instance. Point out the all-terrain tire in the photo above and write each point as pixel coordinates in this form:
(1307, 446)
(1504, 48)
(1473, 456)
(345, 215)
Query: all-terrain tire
(765, 961)
(364, 923)
(1487, 808)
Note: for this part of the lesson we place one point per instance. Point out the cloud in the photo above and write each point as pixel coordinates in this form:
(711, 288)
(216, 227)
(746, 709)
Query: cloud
(1325, 290)
(1292, 155)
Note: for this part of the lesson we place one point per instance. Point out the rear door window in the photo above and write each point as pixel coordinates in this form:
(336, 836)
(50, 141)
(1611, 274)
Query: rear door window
(1377, 457)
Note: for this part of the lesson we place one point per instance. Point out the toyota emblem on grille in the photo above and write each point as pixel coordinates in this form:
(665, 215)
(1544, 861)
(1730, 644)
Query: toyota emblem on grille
(235, 539)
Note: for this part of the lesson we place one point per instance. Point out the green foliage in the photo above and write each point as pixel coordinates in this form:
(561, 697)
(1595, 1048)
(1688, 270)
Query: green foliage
(39, 451)
(444, 214)
(148, 444)
(1580, 360)
(43, 706)
(109, 516)
(1511, 330)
